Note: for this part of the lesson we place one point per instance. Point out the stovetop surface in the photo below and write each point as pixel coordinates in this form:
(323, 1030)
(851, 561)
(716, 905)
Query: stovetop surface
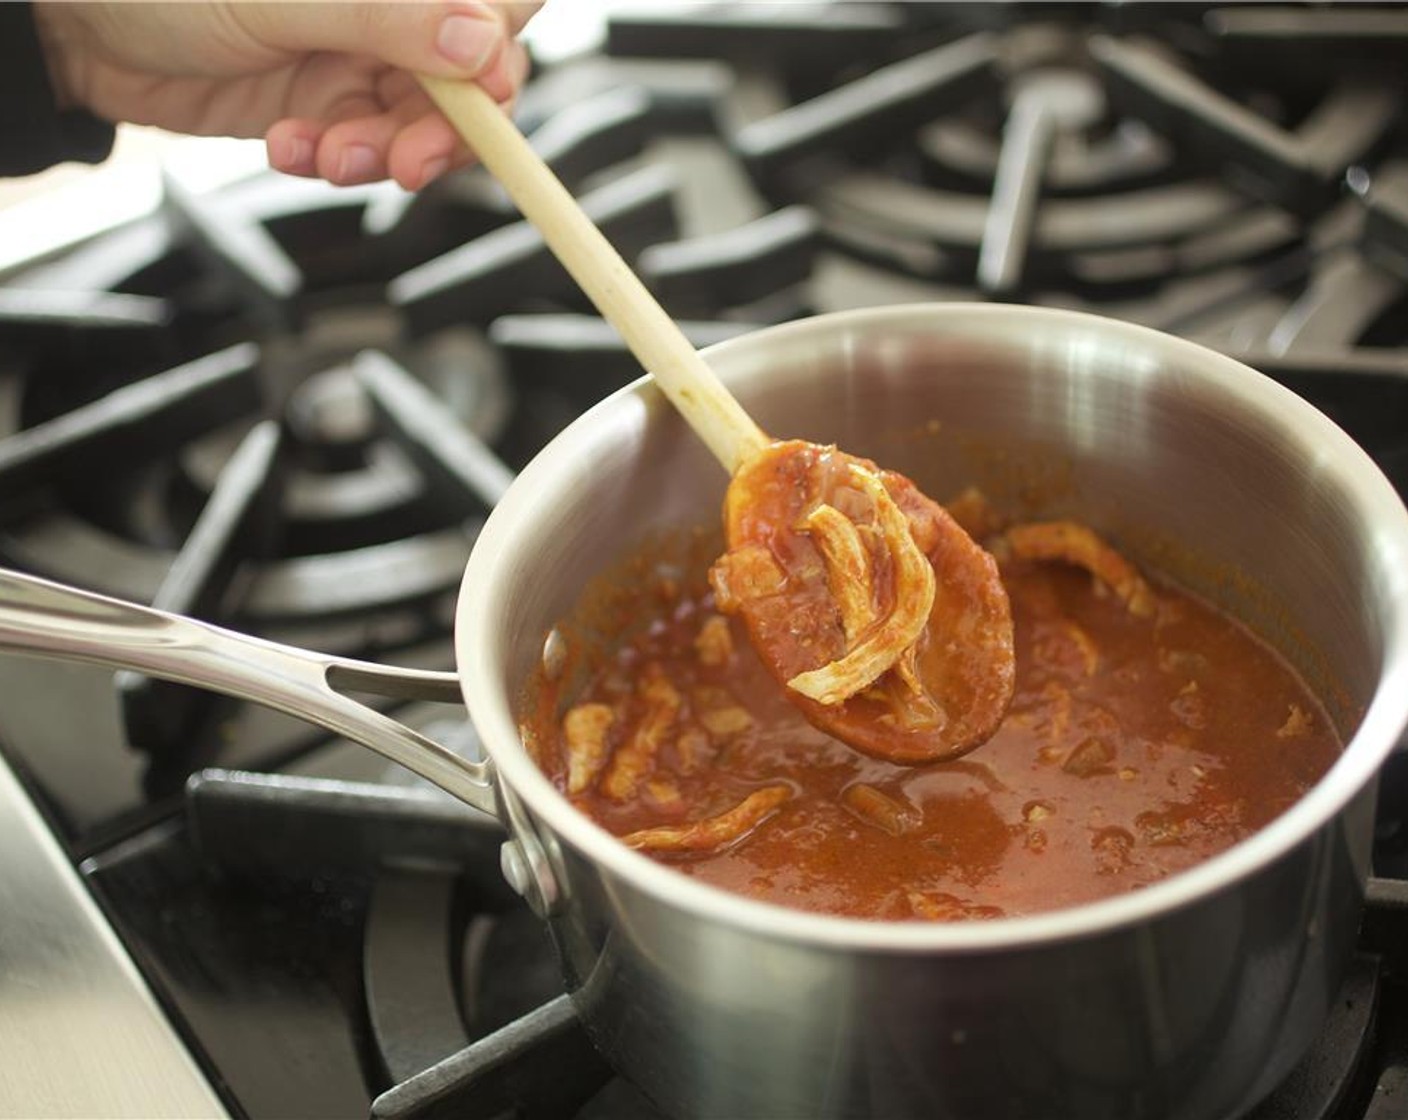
(288, 408)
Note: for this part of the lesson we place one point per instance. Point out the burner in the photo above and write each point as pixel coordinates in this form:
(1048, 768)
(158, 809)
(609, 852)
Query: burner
(325, 866)
(397, 895)
(340, 466)
(1100, 125)
(1329, 1082)
(462, 993)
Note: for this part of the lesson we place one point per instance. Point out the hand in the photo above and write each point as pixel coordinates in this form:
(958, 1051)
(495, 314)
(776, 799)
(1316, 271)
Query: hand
(329, 85)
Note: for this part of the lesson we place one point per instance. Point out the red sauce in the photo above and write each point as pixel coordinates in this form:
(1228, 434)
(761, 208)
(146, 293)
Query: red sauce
(1134, 748)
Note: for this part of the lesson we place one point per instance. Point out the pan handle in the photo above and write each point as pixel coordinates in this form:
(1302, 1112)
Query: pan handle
(43, 619)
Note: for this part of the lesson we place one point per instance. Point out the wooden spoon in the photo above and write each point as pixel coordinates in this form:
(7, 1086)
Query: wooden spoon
(885, 622)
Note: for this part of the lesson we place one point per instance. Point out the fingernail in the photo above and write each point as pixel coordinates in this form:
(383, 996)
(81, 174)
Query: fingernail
(468, 42)
(293, 154)
(432, 169)
(357, 162)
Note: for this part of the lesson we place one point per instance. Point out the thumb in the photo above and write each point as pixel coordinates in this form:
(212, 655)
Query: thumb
(451, 38)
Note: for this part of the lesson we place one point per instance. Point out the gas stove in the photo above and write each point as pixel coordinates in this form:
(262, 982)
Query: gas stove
(287, 408)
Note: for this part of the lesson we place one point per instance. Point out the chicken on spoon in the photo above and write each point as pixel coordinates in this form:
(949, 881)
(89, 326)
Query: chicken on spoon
(886, 623)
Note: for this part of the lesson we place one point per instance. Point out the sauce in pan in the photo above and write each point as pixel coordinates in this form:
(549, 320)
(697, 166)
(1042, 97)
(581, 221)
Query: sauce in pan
(1147, 733)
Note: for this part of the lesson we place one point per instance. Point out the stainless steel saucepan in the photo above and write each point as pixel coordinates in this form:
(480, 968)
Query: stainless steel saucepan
(1191, 998)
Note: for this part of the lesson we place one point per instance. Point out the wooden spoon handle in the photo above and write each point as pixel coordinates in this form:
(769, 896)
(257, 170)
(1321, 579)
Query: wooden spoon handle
(709, 408)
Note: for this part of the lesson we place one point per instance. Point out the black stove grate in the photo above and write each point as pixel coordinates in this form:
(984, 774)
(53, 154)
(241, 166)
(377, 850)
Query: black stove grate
(435, 990)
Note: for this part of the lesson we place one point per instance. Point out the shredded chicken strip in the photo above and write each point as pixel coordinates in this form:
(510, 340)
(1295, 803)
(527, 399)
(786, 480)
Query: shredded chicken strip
(1075, 544)
(848, 578)
(585, 729)
(691, 748)
(919, 709)
(847, 566)
(878, 808)
(1085, 644)
(714, 643)
(635, 758)
(1298, 722)
(743, 574)
(665, 794)
(712, 832)
(907, 669)
(888, 639)
(936, 906)
(725, 723)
